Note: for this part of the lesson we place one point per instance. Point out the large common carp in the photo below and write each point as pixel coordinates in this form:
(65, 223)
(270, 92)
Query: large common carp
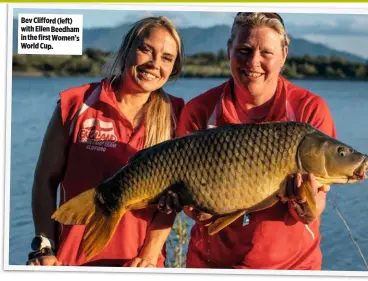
(225, 171)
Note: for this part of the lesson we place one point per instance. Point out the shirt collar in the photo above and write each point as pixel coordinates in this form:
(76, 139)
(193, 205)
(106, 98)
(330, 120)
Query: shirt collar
(277, 112)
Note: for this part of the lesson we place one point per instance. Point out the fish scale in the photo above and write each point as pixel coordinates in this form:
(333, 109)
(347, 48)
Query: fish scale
(221, 174)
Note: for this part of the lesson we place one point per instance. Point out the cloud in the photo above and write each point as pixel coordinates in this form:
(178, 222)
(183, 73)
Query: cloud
(360, 24)
(177, 18)
(339, 25)
(229, 16)
(186, 19)
(355, 45)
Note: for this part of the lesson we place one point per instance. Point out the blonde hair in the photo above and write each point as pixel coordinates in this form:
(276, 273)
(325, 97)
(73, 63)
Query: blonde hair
(271, 20)
(159, 117)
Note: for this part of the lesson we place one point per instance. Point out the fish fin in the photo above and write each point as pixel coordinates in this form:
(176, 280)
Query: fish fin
(265, 204)
(306, 192)
(77, 210)
(224, 221)
(141, 205)
(99, 231)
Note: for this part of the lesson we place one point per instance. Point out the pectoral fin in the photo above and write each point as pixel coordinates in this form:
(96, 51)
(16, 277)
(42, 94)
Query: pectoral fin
(140, 205)
(306, 191)
(224, 221)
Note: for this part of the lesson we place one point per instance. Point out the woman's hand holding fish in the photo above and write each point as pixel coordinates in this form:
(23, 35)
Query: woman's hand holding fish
(169, 202)
(44, 260)
(139, 262)
(298, 206)
(202, 218)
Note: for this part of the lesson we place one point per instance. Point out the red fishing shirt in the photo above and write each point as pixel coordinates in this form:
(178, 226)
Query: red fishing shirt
(272, 239)
(99, 140)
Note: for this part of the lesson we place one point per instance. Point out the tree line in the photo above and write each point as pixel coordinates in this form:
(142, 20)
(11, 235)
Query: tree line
(204, 64)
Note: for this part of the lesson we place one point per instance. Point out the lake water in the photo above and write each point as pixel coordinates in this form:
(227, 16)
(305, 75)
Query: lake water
(33, 101)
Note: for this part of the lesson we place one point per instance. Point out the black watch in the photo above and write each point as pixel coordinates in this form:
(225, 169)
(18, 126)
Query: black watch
(40, 242)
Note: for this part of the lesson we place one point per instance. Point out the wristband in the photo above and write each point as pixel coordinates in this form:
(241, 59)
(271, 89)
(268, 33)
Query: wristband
(41, 253)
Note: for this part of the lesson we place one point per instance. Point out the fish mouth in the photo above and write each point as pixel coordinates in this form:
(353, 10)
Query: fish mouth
(360, 173)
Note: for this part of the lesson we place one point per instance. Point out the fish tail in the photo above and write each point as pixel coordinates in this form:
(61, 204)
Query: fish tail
(100, 225)
(99, 230)
(77, 210)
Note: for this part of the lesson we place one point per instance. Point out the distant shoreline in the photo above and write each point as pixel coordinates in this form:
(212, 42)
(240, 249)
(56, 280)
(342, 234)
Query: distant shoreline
(202, 65)
(28, 74)
(40, 74)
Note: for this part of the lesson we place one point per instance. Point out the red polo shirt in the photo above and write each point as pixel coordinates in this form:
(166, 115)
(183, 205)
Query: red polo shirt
(99, 141)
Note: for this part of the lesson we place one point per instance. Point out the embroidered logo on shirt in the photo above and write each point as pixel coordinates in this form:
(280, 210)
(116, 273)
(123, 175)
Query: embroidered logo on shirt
(97, 134)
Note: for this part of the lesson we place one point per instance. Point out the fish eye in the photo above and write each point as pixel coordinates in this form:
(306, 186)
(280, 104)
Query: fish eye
(341, 151)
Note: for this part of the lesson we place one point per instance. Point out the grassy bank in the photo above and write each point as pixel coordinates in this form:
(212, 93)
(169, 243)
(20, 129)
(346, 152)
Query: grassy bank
(199, 65)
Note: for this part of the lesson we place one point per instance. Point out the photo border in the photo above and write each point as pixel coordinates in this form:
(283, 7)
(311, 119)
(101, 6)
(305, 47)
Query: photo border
(286, 7)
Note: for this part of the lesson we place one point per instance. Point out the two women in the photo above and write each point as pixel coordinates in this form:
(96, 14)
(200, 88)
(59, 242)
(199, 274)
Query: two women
(119, 110)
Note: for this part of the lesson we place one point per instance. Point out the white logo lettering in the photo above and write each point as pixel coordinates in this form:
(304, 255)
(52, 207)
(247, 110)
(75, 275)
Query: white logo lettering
(98, 134)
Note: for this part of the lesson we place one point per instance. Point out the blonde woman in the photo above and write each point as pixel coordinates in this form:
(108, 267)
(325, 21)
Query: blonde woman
(284, 236)
(93, 132)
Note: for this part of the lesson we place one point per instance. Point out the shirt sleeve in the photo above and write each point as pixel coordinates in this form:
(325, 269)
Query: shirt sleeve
(188, 122)
(178, 105)
(317, 113)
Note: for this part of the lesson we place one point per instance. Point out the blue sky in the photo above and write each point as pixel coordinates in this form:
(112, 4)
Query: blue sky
(344, 32)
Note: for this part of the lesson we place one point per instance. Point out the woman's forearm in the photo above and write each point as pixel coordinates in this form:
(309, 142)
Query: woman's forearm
(48, 175)
(43, 206)
(157, 234)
